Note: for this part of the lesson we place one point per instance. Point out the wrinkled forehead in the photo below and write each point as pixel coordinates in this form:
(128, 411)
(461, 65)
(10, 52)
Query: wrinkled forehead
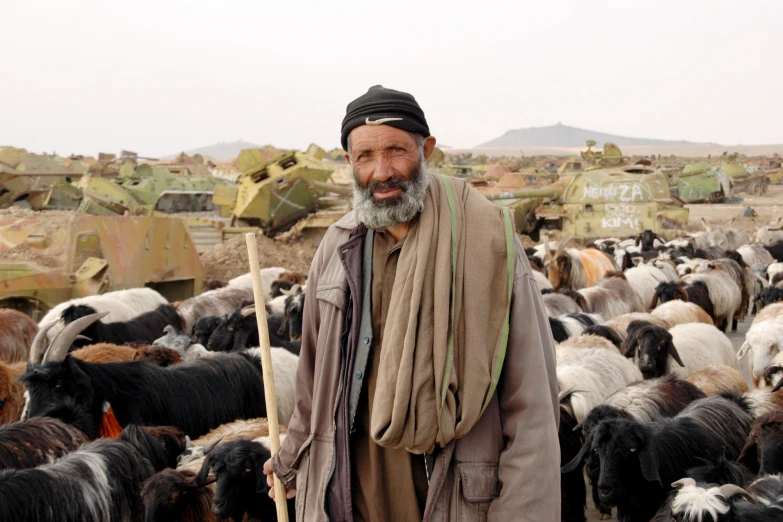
(379, 137)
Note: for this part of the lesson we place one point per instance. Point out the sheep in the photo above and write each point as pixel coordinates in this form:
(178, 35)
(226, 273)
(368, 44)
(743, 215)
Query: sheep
(776, 250)
(691, 346)
(763, 339)
(645, 401)
(763, 451)
(718, 379)
(774, 273)
(194, 397)
(100, 481)
(558, 304)
(586, 340)
(612, 296)
(204, 328)
(679, 312)
(744, 280)
(268, 276)
(571, 325)
(696, 293)
(667, 267)
(238, 429)
(637, 461)
(239, 331)
(576, 269)
(241, 487)
(644, 280)
(17, 332)
(37, 441)
(619, 324)
(646, 240)
(541, 280)
(293, 317)
(725, 294)
(213, 303)
(586, 377)
(605, 332)
(144, 328)
(766, 297)
(124, 305)
(755, 254)
(769, 234)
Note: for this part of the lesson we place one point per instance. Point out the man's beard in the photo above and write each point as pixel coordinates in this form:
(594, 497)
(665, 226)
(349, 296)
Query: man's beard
(380, 215)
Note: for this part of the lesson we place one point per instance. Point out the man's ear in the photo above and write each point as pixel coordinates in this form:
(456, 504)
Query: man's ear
(429, 146)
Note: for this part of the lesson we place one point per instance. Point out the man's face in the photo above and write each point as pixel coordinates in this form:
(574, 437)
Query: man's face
(389, 177)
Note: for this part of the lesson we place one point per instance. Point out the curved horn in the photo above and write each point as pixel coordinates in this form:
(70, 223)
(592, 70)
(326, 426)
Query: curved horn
(248, 311)
(63, 340)
(730, 490)
(291, 291)
(562, 245)
(687, 481)
(40, 343)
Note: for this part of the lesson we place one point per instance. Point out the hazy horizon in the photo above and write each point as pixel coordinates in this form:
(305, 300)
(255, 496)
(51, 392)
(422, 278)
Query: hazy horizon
(157, 78)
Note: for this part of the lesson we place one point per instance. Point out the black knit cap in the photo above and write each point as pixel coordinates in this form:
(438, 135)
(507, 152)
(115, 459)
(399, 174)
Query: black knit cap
(395, 108)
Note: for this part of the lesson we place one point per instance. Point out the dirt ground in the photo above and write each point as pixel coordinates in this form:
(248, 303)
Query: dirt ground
(229, 259)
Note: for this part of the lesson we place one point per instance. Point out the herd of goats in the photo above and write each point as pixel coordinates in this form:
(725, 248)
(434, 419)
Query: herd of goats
(123, 406)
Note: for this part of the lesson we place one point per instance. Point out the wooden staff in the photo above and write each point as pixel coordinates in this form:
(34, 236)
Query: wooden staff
(266, 368)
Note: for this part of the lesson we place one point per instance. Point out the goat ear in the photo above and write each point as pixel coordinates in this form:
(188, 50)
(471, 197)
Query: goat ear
(654, 301)
(638, 240)
(201, 479)
(576, 461)
(673, 352)
(748, 457)
(743, 350)
(648, 461)
(283, 325)
(706, 226)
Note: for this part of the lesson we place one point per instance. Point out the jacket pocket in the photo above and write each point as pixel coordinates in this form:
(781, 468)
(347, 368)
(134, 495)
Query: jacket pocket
(331, 293)
(477, 486)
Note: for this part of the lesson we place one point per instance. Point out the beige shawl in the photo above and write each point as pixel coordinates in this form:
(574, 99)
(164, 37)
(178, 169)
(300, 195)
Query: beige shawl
(446, 330)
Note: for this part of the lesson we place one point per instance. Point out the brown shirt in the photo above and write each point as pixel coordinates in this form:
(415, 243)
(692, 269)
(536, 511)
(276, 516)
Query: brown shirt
(387, 484)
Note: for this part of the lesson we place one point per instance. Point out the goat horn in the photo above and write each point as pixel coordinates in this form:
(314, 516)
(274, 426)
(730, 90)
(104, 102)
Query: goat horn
(562, 245)
(40, 343)
(62, 341)
(687, 481)
(248, 311)
(292, 291)
(730, 490)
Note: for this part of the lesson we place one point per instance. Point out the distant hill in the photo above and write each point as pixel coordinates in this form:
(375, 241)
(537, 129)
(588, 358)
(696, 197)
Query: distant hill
(221, 151)
(564, 136)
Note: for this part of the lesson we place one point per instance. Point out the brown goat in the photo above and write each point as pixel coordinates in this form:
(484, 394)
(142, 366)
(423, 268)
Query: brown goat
(718, 379)
(763, 451)
(172, 496)
(17, 332)
(240, 429)
(158, 355)
(576, 269)
(296, 278)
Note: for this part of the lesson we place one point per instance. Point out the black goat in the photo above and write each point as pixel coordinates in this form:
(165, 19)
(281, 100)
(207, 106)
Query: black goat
(766, 297)
(241, 487)
(174, 496)
(696, 293)
(647, 239)
(275, 289)
(293, 317)
(204, 328)
(723, 472)
(100, 481)
(194, 397)
(776, 250)
(570, 325)
(36, 441)
(145, 328)
(652, 346)
(239, 331)
(573, 493)
(763, 451)
(160, 445)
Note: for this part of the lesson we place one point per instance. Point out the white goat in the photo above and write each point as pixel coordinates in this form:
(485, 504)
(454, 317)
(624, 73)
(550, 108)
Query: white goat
(764, 340)
(268, 276)
(122, 305)
(644, 280)
(676, 312)
(589, 376)
(726, 296)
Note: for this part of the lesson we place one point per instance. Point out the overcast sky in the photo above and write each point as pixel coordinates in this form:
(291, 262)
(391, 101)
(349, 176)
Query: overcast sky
(162, 76)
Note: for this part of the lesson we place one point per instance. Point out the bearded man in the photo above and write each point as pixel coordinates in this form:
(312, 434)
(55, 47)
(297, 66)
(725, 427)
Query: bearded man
(426, 387)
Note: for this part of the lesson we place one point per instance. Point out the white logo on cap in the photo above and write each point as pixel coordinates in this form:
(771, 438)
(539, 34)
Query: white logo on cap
(381, 121)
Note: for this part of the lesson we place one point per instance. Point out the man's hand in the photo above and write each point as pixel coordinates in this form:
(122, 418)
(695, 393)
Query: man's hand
(270, 480)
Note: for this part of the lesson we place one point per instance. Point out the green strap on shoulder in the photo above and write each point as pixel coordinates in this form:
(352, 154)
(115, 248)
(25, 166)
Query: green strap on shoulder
(503, 341)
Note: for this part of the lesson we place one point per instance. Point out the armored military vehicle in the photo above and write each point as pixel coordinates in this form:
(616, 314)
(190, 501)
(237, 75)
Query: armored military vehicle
(52, 257)
(610, 202)
(275, 194)
(27, 179)
(700, 182)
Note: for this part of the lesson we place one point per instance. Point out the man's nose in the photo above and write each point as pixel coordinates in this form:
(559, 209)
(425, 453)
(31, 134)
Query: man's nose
(383, 169)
